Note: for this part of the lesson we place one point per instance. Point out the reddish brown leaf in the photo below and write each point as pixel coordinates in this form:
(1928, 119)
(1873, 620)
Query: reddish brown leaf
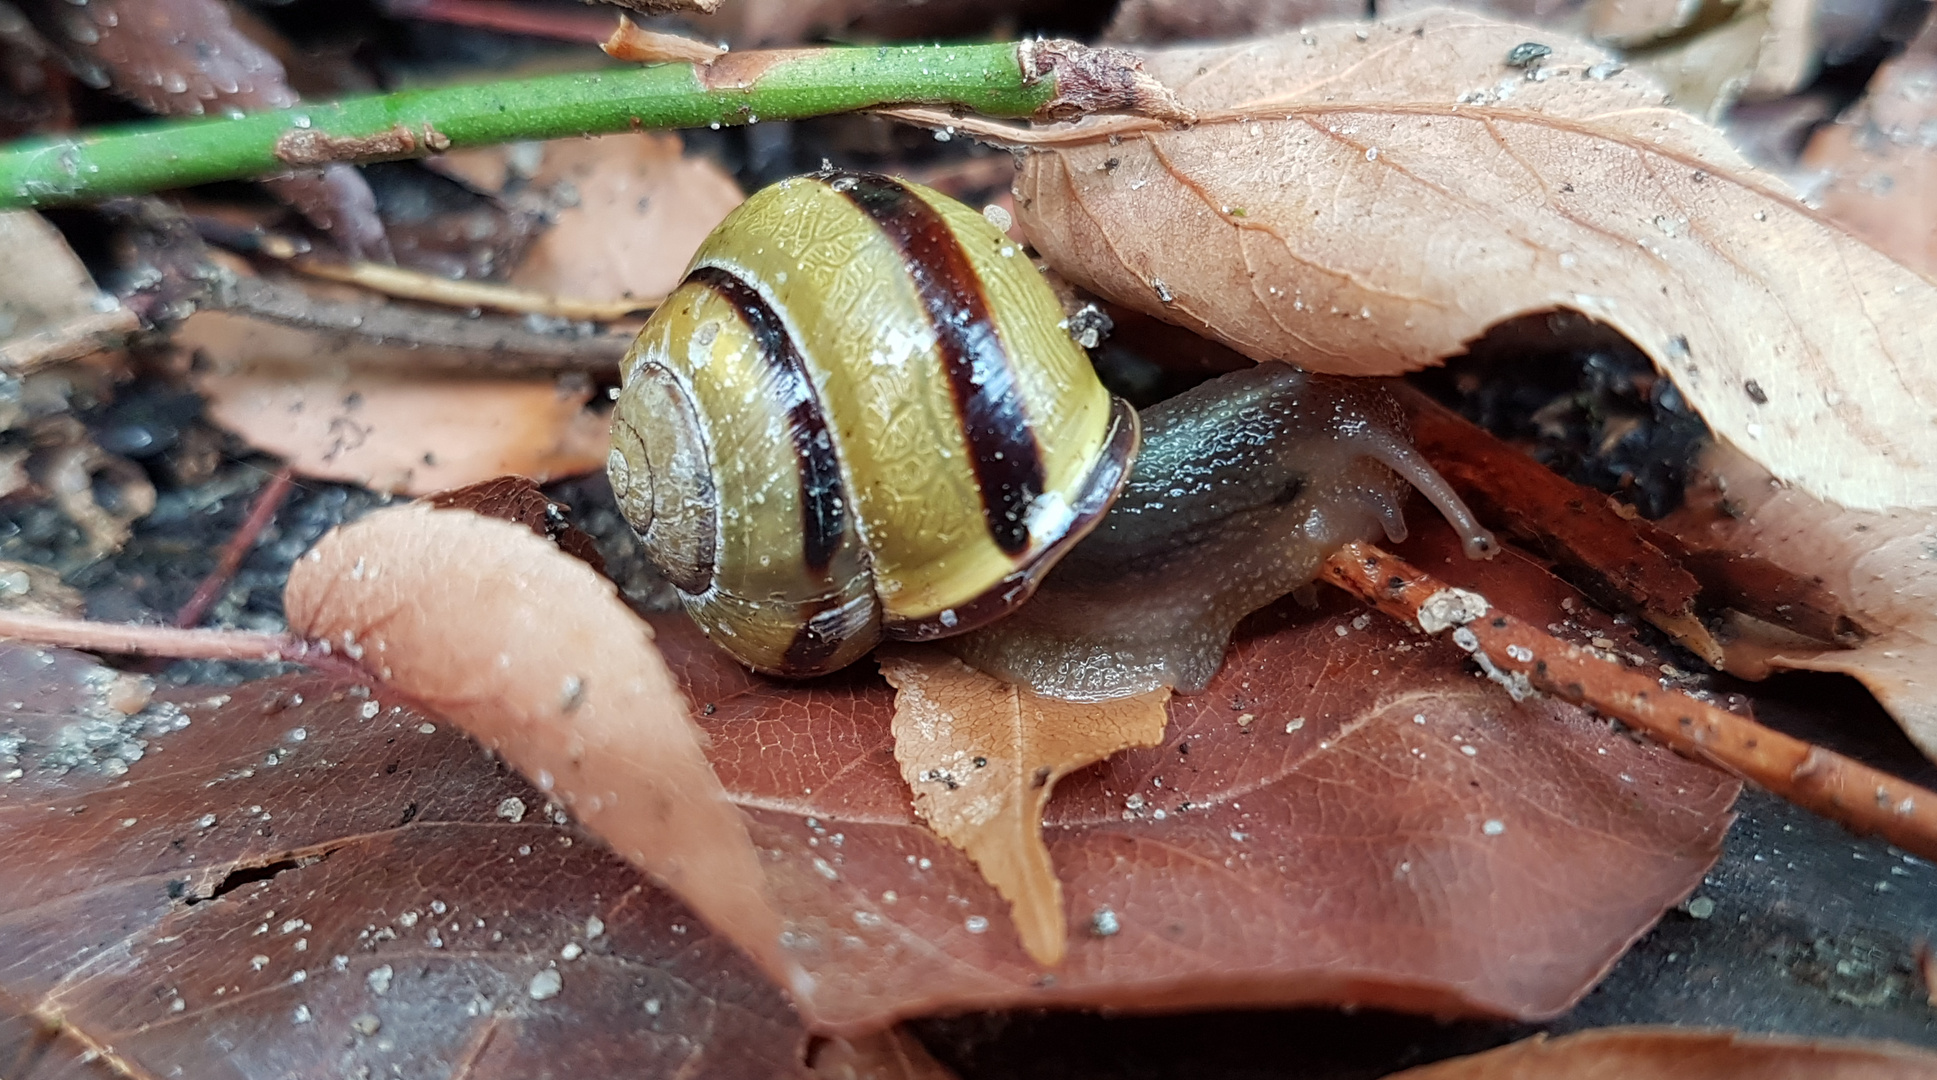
(1680, 1054)
(304, 878)
(983, 757)
(1347, 860)
(1346, 815)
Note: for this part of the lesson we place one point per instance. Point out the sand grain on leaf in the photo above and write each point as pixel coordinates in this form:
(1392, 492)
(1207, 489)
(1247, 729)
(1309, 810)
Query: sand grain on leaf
(1364, 199)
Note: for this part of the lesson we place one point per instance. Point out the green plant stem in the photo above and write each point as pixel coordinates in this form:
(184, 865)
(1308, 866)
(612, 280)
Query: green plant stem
(988, 79)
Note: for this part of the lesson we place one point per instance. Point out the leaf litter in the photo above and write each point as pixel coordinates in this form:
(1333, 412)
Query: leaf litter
(1104, 923)
(626, 212)
(306, 875)
(1335, 174)
(1384, 831)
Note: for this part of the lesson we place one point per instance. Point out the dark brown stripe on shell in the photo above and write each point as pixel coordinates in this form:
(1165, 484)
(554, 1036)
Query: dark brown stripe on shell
(1093, 501)
(822, 499)
(988, 399)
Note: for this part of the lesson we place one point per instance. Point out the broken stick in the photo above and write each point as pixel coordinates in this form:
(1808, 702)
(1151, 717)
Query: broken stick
(1860, 798)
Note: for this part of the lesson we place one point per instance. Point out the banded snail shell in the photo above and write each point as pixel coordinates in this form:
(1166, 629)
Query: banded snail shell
(859, 416)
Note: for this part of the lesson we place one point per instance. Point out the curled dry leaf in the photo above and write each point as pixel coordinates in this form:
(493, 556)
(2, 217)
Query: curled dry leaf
(517, 499)
(306, 877)
(637, 45)
(1364, 199)
(1643, 1053)
(983, 757)
(532, 652)
(1882, 568)
(1880, 161)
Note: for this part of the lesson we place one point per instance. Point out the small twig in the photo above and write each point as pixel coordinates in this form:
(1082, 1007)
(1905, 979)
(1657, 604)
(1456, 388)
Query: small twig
(175, 643)
(268, 500)
(1524, 657)
(426, 341)
(416, 285)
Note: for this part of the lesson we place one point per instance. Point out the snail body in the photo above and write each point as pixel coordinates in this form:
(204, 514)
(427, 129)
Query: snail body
(861, 416)
(1244, 485)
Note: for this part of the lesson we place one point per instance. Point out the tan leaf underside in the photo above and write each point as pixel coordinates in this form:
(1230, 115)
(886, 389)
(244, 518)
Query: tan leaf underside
(983, 756)
(1366, 207)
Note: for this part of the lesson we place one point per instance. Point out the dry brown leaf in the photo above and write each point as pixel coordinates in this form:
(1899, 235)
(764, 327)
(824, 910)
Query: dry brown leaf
(1364, 199)
(586, 708)
(411, 435)
(344, 399)
(1880, 160)
(46, 283)
(1881, 566)
(637, 210)
(1642, 1053)
(983, 757)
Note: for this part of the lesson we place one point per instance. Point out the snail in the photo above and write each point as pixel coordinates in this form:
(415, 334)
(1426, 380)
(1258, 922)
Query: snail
(861, 416)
